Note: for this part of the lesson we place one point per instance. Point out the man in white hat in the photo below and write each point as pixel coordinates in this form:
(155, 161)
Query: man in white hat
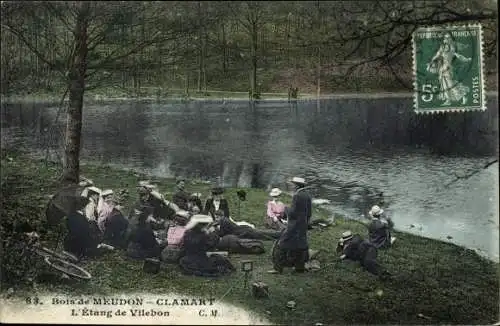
(353, 247)
(293, 247)
(379, 228)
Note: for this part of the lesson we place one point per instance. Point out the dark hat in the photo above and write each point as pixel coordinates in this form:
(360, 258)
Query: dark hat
(217, 191)
(242, 194)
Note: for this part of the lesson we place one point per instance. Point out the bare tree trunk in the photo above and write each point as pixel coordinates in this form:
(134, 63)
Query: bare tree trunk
(254, 61)
(71, 167)
(224, 49)
(200, 46)
(318, 87)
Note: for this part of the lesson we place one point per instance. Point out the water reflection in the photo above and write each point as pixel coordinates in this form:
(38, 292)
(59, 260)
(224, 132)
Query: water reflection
(356, 153)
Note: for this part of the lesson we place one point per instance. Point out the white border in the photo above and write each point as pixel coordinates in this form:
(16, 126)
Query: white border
(481, 68)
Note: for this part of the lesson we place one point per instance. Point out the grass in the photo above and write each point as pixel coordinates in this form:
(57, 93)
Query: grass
(448, 283)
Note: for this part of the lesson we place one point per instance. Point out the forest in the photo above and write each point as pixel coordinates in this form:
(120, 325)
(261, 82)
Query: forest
(315, 47)
(320, 47)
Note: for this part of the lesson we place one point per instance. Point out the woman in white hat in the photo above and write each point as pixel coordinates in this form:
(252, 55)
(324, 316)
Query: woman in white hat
(198, 241)
(275, 216)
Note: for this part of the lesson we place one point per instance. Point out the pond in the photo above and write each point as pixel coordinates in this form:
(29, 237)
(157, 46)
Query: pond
(355, 152)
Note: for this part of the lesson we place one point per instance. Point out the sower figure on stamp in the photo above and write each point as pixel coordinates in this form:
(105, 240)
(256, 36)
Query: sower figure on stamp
(292, 249)
(442, 63)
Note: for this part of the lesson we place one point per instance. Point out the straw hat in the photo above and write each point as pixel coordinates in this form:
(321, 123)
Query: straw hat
(198, 219)
(93, 189)
(107, 192)
(275, 192)
(376, 211)
(182, 217)
(347, 235)
(297, 180)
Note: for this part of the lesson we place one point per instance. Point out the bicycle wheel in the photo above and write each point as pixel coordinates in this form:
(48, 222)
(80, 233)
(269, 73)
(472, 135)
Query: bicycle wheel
(68, 268)
(44, 251)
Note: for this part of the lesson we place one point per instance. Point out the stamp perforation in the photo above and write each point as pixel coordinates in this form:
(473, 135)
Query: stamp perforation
(480, 45)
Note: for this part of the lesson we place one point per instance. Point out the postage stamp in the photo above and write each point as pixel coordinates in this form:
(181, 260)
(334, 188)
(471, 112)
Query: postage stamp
(448, 69)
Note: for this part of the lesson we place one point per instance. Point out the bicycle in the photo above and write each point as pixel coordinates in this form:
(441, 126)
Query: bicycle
(62, 262)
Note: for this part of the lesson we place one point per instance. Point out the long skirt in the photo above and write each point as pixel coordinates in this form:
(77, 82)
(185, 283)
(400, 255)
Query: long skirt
(275, 225)
(115, 231)
(289, 258)
(202, 265)
(246, 232)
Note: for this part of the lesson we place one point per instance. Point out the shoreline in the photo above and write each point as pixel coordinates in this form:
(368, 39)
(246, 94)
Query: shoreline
(266, 97)
(423, 267)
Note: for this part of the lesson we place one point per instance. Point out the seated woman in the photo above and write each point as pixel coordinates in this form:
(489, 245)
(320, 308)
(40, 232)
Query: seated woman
(142, 242)
(80, 239)
(197, 242)
(175, 238)
(149, 197)
(379, 228)
(111, 221)
(353, 247)
(226, 226)
(275, 217)
(216, 203)
(194, 203)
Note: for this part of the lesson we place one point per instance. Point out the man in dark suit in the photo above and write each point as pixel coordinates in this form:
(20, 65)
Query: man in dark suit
(292, 247)
(181, 197)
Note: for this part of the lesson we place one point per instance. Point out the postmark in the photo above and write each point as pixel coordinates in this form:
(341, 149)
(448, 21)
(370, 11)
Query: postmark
(448, 69)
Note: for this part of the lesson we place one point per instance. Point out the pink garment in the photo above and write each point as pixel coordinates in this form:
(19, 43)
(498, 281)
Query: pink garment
(104, 210)
(275, 209)
(175, 235)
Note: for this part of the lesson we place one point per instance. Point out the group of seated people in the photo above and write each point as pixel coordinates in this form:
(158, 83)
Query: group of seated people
(174, 232)
(186, 233)
(365, 251)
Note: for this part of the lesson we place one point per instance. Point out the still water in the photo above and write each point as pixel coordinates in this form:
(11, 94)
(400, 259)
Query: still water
(356, 153)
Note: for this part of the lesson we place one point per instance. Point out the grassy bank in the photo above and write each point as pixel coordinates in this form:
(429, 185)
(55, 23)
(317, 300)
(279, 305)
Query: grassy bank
(448, 283)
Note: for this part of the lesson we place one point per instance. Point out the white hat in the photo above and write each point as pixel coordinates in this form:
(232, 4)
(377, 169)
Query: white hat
(107, 192)
(94, 189)
(375, 211)
(85, 182)
(196, 194)
(196, 219)
(146, 184)
(347, 235)
(182, 213)
(298, 180)
(275, 192)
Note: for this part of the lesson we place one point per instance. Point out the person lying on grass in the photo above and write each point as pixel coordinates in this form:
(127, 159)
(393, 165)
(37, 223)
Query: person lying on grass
(355, 248)
(198, 241)
(224, 226)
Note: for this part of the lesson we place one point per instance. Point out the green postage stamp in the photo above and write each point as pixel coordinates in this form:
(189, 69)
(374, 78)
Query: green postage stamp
(448, 69)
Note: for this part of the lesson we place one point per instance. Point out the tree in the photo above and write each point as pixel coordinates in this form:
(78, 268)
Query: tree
(251, 15)
(92, 50)
(385, 29)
